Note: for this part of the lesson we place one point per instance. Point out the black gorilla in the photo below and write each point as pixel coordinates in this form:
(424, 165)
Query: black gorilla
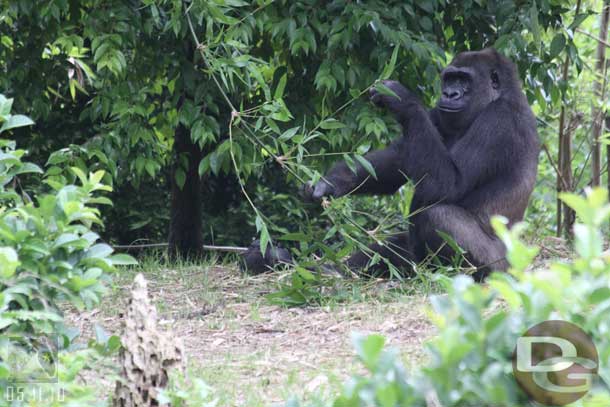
(472, 156)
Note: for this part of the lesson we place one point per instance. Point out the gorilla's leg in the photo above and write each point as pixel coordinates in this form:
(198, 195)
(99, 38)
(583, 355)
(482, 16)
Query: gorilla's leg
(396, 249)
(484, 250)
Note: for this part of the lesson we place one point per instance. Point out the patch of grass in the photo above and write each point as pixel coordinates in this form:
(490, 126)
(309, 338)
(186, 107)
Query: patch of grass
(257, 354)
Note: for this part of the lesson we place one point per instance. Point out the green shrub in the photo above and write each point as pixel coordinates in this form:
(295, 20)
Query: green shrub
(49, 254)
(185, 392)
(470, 360)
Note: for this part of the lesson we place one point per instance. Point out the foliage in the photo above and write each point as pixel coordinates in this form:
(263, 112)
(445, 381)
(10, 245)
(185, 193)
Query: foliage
(470, 360)
(184, 392)
(66, 389)
(48, 251)
(273, 95)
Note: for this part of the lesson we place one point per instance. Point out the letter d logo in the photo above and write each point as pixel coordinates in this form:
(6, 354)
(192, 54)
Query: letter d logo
(554, 363)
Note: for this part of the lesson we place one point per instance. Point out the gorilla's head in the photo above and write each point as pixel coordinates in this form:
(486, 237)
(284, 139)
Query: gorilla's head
(471, 82)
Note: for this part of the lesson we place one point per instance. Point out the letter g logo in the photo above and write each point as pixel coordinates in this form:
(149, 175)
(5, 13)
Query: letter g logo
(554, 363)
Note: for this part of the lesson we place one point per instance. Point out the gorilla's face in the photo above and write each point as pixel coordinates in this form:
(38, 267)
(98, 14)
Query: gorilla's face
(467, 88)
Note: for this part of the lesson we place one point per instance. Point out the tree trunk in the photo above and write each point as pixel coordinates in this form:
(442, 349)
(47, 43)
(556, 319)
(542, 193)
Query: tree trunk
(564, 178)
(607, 122)
(564, 160)
(185, 231)
(599, 88)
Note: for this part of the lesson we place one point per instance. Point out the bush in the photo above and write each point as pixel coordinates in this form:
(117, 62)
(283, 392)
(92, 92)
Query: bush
(49, 253)
(470, 360)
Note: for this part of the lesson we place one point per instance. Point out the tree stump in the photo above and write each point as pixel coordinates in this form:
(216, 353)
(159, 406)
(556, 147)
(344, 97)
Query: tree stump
(147, 355)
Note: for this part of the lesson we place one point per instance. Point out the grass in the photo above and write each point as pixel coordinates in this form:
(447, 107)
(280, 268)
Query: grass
(254, 353)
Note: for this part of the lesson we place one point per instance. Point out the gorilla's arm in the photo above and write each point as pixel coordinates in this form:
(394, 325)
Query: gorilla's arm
(341, 180)
(483, 153)
(388, 163)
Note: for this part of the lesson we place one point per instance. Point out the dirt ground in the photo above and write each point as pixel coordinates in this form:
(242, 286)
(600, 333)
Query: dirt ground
(253, 353)
(256, 354)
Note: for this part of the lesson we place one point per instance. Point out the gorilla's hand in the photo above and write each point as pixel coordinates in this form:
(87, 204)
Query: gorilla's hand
(314, 193)
(397, 105)
(382, 100)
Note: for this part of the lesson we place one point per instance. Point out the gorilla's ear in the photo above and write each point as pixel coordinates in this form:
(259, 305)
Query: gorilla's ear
(495, 79)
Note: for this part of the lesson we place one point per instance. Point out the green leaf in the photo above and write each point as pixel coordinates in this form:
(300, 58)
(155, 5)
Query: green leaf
(367, 165)
(279, 90)
(96, 177)
(329, 124)
(99, 251)
(204, 166)
(101, 336)
(389, 68)
(384, 90)
(451, 242)
(578, 20)
(218, 14)
(180, 177)
(72, 86)
(305, 274)
(29, 168)
(599, 295)
(535, 25)
(506, 291)
(15, 121)
(557, 45)
(123, 260)
(261, 227)
(579, 205)
(290, 133)
(297, 236)
(9, 261)
(79, 174)
(369, 348)
(114, 343)
(5, 106)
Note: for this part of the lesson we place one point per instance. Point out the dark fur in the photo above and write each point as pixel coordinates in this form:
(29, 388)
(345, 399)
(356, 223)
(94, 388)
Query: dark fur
(467, 165)
(255, 263)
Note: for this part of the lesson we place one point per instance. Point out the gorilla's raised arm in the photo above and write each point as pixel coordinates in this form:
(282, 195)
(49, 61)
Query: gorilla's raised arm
(485, 149)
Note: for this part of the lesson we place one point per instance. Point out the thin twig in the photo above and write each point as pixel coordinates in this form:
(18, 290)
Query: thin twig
(606, 43)
(559, 174)
(229, 249)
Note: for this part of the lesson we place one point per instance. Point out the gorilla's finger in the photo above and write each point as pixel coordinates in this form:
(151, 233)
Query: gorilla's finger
(375, 97)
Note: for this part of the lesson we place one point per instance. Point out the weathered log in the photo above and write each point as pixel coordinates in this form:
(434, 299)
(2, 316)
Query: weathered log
(147, 356)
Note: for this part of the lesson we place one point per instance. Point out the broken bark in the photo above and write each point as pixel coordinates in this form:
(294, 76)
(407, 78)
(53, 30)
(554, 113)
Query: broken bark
(147, 355)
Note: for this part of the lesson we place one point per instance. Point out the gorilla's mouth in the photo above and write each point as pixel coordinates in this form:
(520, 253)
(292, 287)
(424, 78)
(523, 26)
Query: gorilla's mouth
(450, 109)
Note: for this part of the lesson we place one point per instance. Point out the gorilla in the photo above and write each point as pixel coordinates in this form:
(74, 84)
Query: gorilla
(472, 156)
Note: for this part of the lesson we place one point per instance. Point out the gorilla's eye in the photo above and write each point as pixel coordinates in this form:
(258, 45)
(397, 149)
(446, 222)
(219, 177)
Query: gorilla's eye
(495, 80)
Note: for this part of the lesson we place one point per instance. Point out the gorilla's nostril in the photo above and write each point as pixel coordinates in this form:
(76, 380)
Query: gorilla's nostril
(452, 94)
